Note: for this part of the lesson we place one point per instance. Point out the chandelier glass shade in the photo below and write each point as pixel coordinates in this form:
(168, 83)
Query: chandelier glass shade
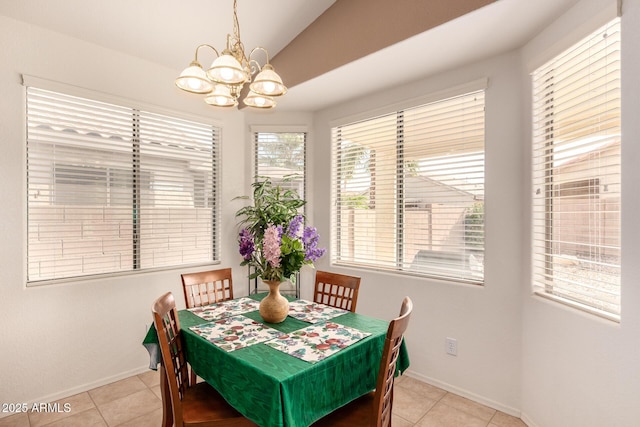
(194, 79)
(268, 82)
(223, 81)
(257, 100)
(221, 97)
(227, 70)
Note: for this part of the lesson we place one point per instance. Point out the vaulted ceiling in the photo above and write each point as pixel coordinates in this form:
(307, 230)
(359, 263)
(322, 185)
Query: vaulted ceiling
(327, 51)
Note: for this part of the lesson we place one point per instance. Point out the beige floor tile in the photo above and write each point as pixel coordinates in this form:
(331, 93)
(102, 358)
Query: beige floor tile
(116, 390)
(397, 421)
(501, 419)
(137, 402)
(476, 409)
(409, 405)
(129, 407)
(157, 392)
(399, 379)
(152, 419)
(150, 378)
(446, 416)
(422, 388)
(78, 403)
(16, 420)
(89, 418)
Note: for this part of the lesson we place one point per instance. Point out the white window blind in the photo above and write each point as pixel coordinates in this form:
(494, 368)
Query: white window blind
(279, 155)
(116, 189)
(408, 190)
(576, 175)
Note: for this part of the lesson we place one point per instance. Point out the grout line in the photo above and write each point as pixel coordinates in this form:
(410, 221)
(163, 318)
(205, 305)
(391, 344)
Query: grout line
(97, 407)
(495, 411)
(64, 418)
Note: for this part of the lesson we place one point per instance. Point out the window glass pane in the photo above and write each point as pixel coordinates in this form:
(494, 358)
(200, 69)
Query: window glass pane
(281, 154)
(177, 192)
(366, 192)
(444, 187)
(79, 221)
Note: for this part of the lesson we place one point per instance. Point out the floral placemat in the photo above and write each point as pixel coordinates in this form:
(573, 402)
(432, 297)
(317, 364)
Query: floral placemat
(313, 312)
(223, 309)
(233, 333)
(317, 342)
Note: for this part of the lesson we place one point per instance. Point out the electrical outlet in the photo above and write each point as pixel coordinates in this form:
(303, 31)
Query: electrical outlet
(452, 346)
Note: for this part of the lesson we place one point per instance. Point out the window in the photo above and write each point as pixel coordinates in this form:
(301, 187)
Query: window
(408, 190)
(282, 154)
(576, 175)
(116, 189)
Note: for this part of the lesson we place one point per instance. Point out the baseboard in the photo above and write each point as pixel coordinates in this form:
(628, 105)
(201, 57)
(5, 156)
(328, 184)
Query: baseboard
(467, 394)
(525, 419)
(84, 387)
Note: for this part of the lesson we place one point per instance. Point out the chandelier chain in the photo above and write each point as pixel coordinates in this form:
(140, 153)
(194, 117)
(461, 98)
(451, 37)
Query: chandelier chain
(238, 48)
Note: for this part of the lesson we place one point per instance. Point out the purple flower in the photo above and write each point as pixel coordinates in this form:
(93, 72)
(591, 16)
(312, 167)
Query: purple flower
(294, 226)
(271, 246)
(247, 245)
(310, 239)
(310, 236)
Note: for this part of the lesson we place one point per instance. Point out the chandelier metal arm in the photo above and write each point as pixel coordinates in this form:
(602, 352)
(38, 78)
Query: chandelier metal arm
(255, 65)
(195, 59)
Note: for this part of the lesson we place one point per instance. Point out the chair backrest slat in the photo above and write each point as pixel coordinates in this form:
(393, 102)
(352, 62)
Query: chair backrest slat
(207, 287)
(383, 399)
(167, 323)
(336, 290)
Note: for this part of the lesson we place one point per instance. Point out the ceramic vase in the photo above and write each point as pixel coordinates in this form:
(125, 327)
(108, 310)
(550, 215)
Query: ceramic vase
(274, 308)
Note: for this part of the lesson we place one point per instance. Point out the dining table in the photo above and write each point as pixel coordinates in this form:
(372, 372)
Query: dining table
(286, 374)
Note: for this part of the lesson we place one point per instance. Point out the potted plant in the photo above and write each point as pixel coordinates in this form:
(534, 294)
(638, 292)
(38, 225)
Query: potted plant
(274, 241)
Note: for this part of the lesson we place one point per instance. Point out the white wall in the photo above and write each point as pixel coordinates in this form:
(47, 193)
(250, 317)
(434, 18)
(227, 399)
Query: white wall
(61, 339)
(579, 370)
(484, 319)
(556, 366)
(516, 352)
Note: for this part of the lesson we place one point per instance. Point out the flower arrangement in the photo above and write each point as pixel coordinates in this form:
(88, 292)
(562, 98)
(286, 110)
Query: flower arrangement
(273, 239)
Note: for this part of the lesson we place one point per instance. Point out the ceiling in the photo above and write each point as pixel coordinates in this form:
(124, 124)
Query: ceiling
(167, 32)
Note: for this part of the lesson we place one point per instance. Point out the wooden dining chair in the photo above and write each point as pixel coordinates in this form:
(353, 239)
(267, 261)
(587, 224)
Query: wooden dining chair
(186, 403)
(207, 287)
(374, 409)
(336, 290)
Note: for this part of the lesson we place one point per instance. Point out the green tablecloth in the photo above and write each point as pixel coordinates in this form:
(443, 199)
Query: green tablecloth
(274, 389)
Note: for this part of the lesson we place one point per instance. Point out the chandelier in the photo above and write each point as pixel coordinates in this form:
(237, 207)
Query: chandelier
(222, 83)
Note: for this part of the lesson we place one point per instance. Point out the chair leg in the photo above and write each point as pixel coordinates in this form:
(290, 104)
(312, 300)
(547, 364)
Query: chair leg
(167, 412)
(193, 378)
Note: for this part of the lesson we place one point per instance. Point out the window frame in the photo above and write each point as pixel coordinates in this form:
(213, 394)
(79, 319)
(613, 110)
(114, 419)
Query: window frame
(90, 96)
(287, 288)
(557, 186)
(461, 90)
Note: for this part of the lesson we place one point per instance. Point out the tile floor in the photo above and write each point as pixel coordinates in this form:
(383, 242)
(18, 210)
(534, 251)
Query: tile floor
(136, 402)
